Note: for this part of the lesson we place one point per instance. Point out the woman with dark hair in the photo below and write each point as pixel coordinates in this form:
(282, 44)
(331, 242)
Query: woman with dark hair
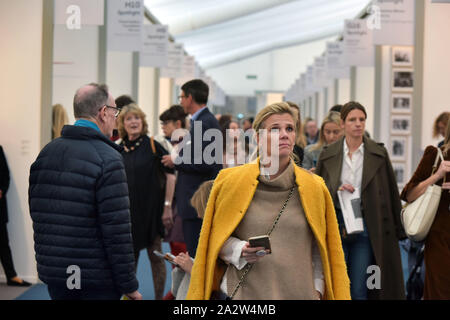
(359, 165)
(437, 242)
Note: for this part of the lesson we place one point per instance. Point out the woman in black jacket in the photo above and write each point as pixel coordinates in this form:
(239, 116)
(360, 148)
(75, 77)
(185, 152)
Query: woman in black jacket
(5, 250)
(151, 188)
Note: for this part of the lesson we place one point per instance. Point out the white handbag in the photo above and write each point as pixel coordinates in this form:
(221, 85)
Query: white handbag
(418, 216)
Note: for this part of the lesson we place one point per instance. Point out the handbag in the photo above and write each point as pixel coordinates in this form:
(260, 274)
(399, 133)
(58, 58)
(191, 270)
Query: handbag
(418, 216)
(160, 168)
(220, 295)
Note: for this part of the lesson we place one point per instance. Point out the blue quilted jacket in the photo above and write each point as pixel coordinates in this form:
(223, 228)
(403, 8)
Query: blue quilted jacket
(78, 197)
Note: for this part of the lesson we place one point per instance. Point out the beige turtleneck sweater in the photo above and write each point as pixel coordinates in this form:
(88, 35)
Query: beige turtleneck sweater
(288, 272)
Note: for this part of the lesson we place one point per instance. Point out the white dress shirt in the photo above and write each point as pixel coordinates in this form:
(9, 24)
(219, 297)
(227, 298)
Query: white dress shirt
(352, 168)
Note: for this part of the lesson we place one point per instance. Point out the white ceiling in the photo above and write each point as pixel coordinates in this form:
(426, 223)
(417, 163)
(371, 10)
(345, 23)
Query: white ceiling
(218, 32)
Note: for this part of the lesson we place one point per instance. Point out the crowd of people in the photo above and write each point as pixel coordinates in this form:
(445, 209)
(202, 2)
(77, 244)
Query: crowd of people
(105, 189)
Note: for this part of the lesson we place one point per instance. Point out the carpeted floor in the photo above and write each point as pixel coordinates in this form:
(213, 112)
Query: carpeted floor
(144, 275)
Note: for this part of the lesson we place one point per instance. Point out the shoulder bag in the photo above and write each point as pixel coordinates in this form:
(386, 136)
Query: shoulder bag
(159, 168)
(418, 216)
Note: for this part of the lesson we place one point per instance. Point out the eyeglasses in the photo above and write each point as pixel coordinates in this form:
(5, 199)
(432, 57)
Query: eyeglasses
(116, 114)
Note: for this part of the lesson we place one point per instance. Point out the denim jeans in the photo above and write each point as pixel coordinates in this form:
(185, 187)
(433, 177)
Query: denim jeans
(358, 256)
(62, 293)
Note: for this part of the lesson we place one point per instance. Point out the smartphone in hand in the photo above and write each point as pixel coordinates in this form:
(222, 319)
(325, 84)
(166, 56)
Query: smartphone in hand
(167, 256)
(260, 241)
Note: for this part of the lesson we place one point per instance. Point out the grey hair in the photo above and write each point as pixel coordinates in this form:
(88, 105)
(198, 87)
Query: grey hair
(86, 104)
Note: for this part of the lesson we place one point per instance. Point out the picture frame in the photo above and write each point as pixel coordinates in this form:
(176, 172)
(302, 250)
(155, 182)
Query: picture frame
(401, 103)
(402, 56)
(401, 124)
(400, 173)
(402, 79)
(398, 148)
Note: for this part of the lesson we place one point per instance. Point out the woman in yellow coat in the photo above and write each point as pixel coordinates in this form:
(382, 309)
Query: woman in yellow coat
(306, 259)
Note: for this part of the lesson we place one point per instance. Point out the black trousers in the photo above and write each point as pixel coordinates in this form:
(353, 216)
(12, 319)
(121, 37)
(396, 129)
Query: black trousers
(5, 253)
(191, 233)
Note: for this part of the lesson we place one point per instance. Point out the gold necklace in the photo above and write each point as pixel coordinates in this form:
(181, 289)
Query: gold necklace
(132, 148)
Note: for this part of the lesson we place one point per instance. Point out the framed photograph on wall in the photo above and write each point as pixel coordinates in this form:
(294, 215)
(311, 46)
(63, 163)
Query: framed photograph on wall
(399, 172)
(401, 103)
(401, 124)
(402, 79)
(398, 149)
(402, 56)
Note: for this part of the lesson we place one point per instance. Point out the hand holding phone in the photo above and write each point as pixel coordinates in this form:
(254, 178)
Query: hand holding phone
(261, 241)
(167, 256)
(256, 249)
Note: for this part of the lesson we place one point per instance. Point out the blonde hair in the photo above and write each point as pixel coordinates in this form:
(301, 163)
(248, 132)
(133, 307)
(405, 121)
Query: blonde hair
(134, 109)
(270, 110)
(275, 108)
(60, 119)
(300, 139)
(443, 117)
(200, 198)
(332, 117)
(447, 139)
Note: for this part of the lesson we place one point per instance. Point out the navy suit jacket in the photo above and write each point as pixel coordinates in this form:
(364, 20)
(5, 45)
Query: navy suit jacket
(192, 175)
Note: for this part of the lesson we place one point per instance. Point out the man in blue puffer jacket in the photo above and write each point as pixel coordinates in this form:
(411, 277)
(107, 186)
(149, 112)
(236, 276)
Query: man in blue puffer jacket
(79, 205)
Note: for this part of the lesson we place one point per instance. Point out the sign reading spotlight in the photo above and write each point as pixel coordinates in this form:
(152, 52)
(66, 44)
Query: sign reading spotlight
(124, 25)
(155, 41)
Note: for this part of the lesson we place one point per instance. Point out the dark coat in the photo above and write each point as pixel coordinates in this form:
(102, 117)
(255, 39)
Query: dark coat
(192, 175)
(381, 209)
(4, 185)
(79, 205)
(146, 196)
(437, 242)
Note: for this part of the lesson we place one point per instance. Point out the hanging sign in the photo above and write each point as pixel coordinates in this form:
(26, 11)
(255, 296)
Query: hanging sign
(334, 59)
(320, 76)
(174, 67)
(154, 53)
(392, 22)
(187, 71)
(124, 25)
(359, 49)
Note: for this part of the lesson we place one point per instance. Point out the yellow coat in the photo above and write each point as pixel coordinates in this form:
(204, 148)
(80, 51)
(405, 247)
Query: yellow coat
(228, 202)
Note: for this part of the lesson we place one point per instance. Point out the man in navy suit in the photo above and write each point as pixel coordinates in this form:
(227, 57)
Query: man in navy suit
(194, 170)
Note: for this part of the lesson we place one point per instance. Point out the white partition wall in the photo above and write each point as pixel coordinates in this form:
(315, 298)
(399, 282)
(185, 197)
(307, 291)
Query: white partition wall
(331, 95)
(165, 96)
(75, 63)
(363, 91)
(119, 73)
(22, 58)
(320, 106)
(436, 68)
(343, 91)
(148, 93)
(383, 95)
